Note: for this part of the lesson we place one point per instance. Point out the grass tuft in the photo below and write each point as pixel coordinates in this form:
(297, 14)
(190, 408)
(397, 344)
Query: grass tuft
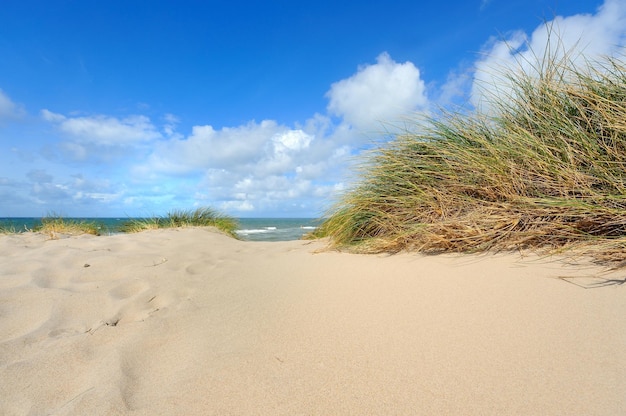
(200, 217)
(546, 168)
(54, 225)
(8, 230)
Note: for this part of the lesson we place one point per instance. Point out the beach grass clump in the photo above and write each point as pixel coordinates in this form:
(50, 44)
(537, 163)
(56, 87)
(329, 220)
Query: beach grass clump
(199, 217)
(8, 229)
(55, 225)
(546, 168)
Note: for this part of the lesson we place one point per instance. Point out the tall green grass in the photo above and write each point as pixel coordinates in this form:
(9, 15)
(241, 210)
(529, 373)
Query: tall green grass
(200, 217)
(545, 169)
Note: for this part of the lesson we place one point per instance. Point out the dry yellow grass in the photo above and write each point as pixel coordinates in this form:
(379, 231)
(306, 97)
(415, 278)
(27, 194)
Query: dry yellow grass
(547, 170)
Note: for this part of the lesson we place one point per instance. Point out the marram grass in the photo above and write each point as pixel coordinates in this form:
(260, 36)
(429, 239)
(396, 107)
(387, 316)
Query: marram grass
(7, 230)
(200, 217)
(54, 225)
(546, 169)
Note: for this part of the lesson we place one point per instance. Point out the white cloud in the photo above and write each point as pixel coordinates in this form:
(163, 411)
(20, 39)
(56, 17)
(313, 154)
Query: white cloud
(377, 93)
(207, 148)
(50, 194)
(260, 148)
(269, 194)
(291, 140)
(71, 192)
(265, 167)
(258, 168)
(582, 37)
(237, 206)
(104, 130)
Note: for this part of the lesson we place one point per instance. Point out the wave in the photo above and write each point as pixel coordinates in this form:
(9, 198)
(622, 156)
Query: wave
(256, 231)
(283, 230)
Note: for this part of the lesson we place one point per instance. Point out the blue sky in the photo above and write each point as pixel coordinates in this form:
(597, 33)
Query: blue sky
(134, 108)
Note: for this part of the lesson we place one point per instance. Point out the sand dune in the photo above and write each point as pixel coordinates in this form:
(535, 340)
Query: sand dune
(190, 322)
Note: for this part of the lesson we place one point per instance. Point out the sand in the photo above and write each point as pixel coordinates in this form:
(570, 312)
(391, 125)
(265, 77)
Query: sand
(191, 322)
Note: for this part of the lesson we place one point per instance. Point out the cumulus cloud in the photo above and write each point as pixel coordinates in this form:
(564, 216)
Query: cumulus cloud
(582, 38)
(237, 206)
(261, 148)
(266, 167)
(205, 148)
(257, 166)
(275, 193)
(72, 192)
(104, 130)
(291, 140)
(377, 93)
(104, 138)
(252, 169)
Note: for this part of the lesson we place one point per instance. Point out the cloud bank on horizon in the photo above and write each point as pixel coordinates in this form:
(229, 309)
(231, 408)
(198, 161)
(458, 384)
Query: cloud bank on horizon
(134, 165)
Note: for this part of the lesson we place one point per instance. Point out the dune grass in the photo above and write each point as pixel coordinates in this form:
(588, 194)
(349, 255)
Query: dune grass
(545, 169)
(54, 225)
(8, 230)
(200, 217)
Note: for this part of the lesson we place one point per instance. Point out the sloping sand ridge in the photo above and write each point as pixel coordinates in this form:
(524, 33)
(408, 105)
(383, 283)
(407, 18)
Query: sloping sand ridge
(192, 322)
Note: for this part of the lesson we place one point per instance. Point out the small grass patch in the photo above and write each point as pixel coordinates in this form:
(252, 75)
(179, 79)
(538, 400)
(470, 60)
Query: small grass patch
(53, 225)
(546, 169)
(200, 217)
(8, 230)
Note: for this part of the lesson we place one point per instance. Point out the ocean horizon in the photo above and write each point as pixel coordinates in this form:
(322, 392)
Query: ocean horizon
(250, 229)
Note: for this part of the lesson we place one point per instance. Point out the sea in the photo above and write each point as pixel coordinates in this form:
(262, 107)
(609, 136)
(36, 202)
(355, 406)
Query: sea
(251, 229)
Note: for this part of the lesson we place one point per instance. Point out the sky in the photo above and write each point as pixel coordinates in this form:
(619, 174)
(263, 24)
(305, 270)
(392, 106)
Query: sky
(132, 108)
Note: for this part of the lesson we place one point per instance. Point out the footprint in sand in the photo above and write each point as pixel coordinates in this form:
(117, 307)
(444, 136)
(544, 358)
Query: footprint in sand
(134, 302)
(200, 267)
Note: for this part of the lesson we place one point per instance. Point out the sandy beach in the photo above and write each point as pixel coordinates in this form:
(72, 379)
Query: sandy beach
(191, 322)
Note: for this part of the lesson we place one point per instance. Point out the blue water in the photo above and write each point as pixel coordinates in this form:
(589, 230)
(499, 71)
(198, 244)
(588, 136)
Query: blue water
(275, 229)
(253, 229)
